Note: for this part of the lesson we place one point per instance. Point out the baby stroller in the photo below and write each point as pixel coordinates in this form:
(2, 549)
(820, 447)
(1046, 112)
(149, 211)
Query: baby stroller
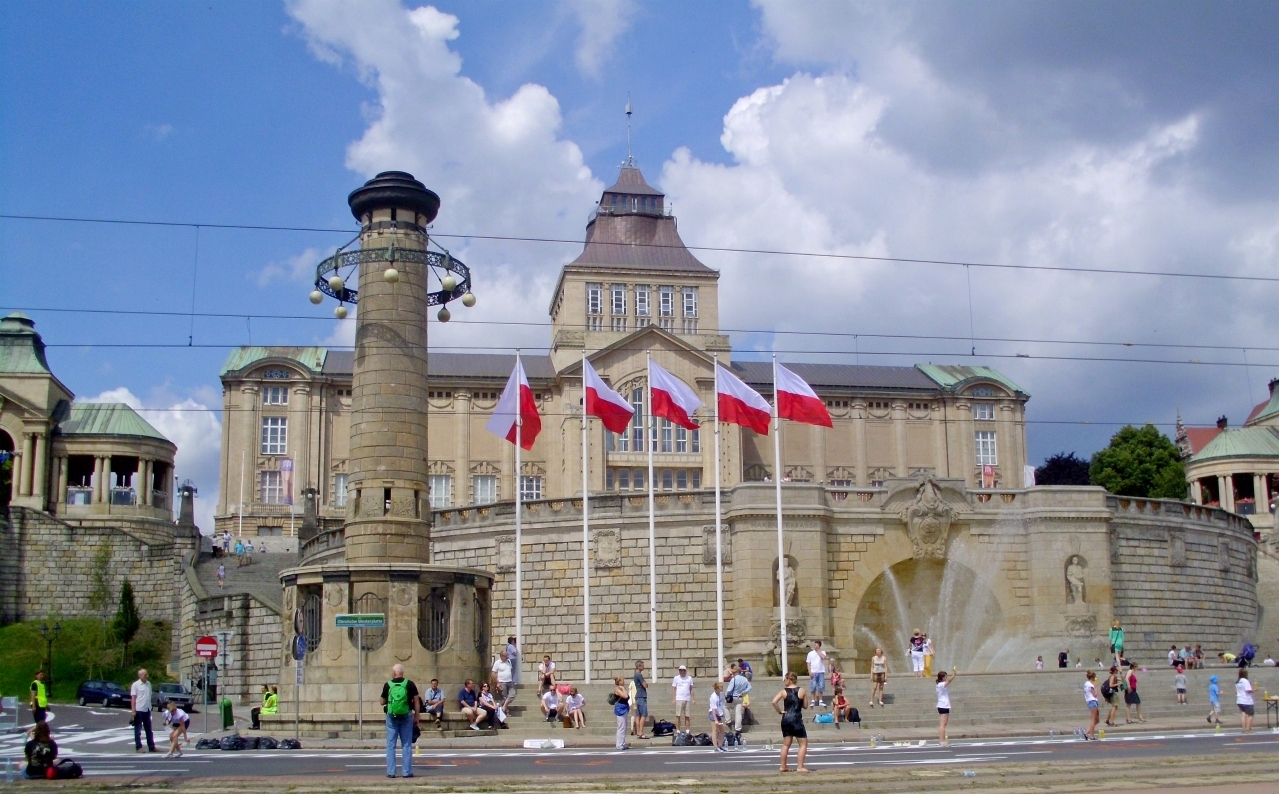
(1247, 654)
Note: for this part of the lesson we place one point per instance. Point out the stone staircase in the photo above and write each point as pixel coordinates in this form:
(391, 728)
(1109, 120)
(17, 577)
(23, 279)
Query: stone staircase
(260, 578)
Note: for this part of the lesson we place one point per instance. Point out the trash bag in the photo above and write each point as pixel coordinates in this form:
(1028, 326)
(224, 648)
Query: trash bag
(267, 743)
(703, 740)
(233, 743)
(682, 739)
(207, 743)
(290, 744)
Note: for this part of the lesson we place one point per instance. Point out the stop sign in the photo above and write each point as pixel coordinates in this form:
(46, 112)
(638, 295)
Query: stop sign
(206, 647)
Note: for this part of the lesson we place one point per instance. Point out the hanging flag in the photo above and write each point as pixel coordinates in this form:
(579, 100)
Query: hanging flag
(517, 400)
(672, 398)
(797, 401)
(612, 409)
(739, 404)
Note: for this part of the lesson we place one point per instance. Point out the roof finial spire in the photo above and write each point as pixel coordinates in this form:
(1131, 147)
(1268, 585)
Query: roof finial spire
(630, 160)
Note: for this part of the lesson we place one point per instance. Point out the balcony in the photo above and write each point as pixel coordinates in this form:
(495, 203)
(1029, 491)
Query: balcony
(124, 497)
(79, 496)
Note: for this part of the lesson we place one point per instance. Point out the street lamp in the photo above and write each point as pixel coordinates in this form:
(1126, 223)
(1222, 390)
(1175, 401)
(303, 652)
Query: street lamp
(49, 637)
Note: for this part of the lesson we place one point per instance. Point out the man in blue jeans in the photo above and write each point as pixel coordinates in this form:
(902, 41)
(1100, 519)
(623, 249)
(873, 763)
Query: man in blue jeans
(400, 702)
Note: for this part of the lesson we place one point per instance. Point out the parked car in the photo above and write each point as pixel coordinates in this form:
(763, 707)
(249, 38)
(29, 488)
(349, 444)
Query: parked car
(180, 695)
(108, 693)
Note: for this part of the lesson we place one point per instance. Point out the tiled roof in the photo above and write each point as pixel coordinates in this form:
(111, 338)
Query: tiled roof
(631, 182)
(951, 375)
(21, 350)
(457, 365)
(1270, 409)
(760, 373)
(1241, 442)
(107, 419)
(310, 357)
(1200, 437)
(1256, 410)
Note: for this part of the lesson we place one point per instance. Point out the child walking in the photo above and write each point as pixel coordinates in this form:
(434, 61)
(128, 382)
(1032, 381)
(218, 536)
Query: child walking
(1179, 682)
(1214, 700)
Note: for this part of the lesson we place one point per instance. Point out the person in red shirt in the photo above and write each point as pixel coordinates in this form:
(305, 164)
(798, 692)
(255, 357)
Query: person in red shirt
(1131, 698)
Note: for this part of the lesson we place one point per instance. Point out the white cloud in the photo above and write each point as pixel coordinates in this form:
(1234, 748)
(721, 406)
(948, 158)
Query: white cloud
(602, 22)
(197, 432)
(299, 268)
(159, 131)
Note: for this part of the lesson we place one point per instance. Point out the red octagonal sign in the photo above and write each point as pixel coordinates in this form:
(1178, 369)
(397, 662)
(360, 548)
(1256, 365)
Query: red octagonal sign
(206, 647)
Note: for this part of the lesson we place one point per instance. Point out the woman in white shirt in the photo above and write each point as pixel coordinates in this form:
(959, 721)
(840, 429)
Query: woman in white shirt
(1243, 698)
(178, 722)
(943, 703)
(574, 706)
(1094, 708)
(715, 709)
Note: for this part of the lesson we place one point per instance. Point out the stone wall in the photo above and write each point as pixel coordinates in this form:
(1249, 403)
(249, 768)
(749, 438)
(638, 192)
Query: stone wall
(251, 658)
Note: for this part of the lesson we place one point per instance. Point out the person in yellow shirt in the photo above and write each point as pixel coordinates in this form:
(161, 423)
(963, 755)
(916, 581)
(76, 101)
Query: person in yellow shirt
(271, 702)
(39, 697)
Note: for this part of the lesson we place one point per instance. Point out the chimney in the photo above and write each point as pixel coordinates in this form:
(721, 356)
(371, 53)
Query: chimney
(1222, 422)
(1273, 381)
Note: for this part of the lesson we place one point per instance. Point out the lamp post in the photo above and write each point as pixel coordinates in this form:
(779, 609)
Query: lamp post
(49, 636)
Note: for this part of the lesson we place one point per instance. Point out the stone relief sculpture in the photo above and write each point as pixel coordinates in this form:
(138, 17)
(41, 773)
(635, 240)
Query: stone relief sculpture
(1223, 555)
(788, 576)
(708, 546)
(1075, 580)
(1081, 625)
(928, 520)
(1176, 549)
(608, 548)
(506, 553)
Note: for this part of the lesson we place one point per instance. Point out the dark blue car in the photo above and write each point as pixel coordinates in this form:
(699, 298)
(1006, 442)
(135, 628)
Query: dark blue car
(108, 693)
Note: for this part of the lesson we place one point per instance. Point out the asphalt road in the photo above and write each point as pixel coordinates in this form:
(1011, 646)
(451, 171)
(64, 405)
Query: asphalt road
(102, 742)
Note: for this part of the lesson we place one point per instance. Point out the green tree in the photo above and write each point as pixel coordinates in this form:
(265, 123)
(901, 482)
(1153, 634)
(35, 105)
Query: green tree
(1140, 462)
(126, 623)
(1063, 469)
(97, 653)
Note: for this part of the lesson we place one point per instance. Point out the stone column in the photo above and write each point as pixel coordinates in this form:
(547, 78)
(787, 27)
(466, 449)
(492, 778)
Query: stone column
(106, 479)
(39, 469)
(859, 442)
(1225, 491)
(1006, 468)
(818, 434)
(899, 439)
(300, 438)
(64, 467)
(28, 454)
(1196, 492)
(14, 479)
(967, 442)
(1259, 494)
(462, 409)
(247, 461)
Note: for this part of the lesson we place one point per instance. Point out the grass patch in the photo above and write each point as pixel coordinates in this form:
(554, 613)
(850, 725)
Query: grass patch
(78, 647)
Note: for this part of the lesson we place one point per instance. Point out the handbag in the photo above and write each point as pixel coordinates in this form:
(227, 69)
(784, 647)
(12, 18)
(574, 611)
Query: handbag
(612, 699)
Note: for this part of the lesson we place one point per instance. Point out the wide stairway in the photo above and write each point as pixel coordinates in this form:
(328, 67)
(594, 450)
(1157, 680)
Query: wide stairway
(260, 578)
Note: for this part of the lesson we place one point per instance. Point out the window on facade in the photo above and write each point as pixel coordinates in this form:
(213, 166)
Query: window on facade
(608, 479)
(681, 439)
(339, 490)
(681, 479)
(530, 488)
(637, 479)
(986, 448)
(441, 490)
(688, 325)
(275, 435)
(275, 395)
(618, 325)
(484, 488)
(641, 302)
(697, 478)
(270, 488)
(668, 431)
(840, 483)
(690, 301)
(594, 299)
(983, 411)
(668, 479)
(666, 302)
(637, 422)
(617, 304)
(623, 479)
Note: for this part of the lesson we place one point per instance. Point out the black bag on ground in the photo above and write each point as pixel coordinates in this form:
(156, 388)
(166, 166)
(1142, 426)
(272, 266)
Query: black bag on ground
(66, 769)
(663, 728)
(682, 739)
(251, 742)
(290, 744)
(730, 739)
(267, 743)
(233, 743)
(854, 715)
(703, 740)
(207, 743)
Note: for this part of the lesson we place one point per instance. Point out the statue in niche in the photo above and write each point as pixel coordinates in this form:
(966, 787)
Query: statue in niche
(788, 576)
(928, 520)
(1075, 579)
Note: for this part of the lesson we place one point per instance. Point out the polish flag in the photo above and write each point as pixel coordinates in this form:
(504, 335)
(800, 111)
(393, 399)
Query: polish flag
(672, 398)
(739, 404)
(516, 401)
(797, 401)
(614, 411)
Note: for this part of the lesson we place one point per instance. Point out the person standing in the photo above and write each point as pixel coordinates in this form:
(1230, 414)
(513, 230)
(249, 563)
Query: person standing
(399, 701)
(1131, 698)
(928, 656)
(817, 673)
(1094, 708)
(916, 651)
(1244, 699)
(1179, 683)
(1214, 701)
(40, 698)
(791, 709)
(1110, 691)
(513, 654)
(735, 697)
(621, 707)
(682, 697)
(639, 710)
(1117, 641)
(943, 703)
(140, 702)
(221, 576)
(433, 701)
(715, 709)
(1063, 659)
(878, 677)
(503, 679)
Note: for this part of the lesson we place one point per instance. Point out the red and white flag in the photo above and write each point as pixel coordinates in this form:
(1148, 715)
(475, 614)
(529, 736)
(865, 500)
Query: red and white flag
(739, 404)
(797, 401)
(516, 402)
(672, 398)
(612, 409)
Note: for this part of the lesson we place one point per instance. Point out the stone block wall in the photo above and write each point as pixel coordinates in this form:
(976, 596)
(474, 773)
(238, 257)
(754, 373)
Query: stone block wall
(253, 654)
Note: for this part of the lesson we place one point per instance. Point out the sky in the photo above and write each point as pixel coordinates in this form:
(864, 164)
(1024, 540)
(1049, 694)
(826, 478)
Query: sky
(1083, 135)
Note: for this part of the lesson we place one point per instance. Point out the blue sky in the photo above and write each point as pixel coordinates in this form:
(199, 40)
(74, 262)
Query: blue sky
(1081, 134)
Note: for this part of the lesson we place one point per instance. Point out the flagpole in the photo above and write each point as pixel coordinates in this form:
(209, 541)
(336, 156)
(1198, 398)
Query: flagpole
(649, 440)
(519, 518)
(781, 547)
(719, 556)
(586, 536)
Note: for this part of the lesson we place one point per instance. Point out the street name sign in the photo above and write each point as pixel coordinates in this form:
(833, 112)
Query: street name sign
(356, 620)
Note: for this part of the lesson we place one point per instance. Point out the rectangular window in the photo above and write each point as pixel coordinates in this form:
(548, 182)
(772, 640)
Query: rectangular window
(666, 302)
(608, 479)
(690, 301)
(697, 441)
(594, 299)
(984, 411)
(641, 302)
(688, 325)
(618, 325)
(618, 303)
(637, 420)
(275, 395)
(667, 433)
(637, 479)
(339, 490)
(270, 488)
(681, 439)
(841, 483)
(441, 490)
(681, 479)
(275, 435)
(667, 479)
(986, 448)
(530, 488)
(610, 442)
(484, 488)
(623, 479)
(697, 479)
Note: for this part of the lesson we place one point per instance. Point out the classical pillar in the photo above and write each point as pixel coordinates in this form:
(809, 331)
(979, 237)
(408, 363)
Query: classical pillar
(967, 443)
(1005, 442)
(14, 479)
(1259, 494)
(39, 470)
(899, 438)
(1224, 491)
(95, 482)
(28, 454)
(819, 453)
(64, 466)
(300, 438)
(146, 467)
(859, 442)
(107, 480)
(462, 421)
(1197, 492)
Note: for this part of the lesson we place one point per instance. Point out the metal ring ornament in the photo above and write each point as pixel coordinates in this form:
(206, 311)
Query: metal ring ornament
(432, 259)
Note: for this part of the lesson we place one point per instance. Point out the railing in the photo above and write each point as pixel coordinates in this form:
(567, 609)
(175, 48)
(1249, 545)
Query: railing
(123, 496)
(79, 496)
(159, 499)
(625, 209)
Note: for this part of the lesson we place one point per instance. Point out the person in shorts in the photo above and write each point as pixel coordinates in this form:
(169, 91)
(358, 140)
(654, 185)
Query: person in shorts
(715, 710)
(1244, 699)
(1214, 701)
(943, 704)
(682, 697)
(817, 674)
(1179, 683)
(639, 703)
(503, 679)
(1094, 706)
(878, 676)
(178, 722)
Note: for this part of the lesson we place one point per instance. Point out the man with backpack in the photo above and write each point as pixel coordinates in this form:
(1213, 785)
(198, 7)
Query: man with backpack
(400, 702)
(735, 697)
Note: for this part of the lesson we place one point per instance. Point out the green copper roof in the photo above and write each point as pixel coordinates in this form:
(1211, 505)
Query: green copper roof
(1271, 409)
(310, 357)
(1241, 442)
(21, 350)
(949, 375)
(107, 419)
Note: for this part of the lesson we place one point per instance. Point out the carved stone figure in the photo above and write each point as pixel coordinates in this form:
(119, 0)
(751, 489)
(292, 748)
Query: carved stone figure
(928, 520)
(788, 576)
(1081, 625)
(1075, 579)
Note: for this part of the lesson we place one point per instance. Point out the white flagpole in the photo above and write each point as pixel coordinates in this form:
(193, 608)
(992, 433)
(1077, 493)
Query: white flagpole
(586, 536)
(781, 547)
(519, 519)
(649, 439)
(719, 565)
(239, 529)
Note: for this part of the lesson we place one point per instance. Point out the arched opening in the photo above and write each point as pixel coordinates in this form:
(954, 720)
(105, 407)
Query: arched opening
(944, 599)
(6, 467)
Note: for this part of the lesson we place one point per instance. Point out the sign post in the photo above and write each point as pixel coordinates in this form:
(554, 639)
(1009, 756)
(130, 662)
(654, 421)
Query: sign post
(206, 648)
(297, 688)
(360, 622)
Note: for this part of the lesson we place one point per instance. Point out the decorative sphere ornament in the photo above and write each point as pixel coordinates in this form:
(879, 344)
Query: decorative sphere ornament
(445, 315)
(336, 283)
(468, 300)
(340, 312)
(316, 297)
(449, 283)
(391, 275)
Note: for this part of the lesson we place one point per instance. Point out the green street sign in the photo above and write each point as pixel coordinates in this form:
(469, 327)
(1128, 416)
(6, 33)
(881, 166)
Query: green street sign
(361, 621)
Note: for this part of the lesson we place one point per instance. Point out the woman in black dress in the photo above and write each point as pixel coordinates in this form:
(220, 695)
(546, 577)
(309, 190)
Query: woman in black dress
(791, 699)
